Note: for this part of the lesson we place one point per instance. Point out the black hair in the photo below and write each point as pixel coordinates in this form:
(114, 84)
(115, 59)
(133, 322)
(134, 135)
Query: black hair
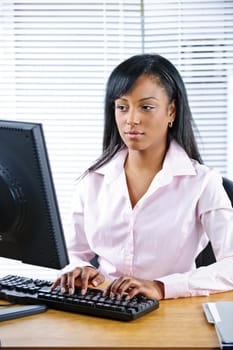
(122, 79)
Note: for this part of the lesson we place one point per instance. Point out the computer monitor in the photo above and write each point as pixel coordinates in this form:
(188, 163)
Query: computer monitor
(30, 224)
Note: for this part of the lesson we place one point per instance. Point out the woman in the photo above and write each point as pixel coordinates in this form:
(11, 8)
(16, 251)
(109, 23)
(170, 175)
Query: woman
(148, 206)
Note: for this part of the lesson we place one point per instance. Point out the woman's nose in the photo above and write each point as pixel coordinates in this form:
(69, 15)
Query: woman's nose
(133, 119)
(133, 122)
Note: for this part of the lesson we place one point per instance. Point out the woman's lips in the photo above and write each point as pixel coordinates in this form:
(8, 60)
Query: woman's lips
(134, 134)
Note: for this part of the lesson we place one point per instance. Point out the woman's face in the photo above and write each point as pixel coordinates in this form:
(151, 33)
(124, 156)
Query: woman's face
(142, 115)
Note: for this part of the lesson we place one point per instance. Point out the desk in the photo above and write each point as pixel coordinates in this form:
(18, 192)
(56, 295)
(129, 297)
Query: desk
(179, 324)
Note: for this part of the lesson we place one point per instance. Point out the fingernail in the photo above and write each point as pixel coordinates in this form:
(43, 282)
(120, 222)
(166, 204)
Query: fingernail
(71, 291)
(83, 292)
(112, 295)
(95, 283)
(63, 290)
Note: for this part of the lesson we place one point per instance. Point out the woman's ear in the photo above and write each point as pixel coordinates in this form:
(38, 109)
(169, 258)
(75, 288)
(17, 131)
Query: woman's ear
(172, 110)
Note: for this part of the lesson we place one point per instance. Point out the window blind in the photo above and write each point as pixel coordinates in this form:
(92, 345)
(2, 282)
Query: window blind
(197, 36)
(55, 60)
(56, 57)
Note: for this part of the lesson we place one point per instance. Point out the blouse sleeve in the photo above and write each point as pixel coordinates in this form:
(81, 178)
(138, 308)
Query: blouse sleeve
(216, 216)
(78, 247)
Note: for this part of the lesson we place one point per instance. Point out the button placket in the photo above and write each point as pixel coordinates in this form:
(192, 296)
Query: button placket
(129, 248)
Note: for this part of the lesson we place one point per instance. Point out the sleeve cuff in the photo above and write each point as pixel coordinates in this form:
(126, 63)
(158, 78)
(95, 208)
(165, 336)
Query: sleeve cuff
(175, 286)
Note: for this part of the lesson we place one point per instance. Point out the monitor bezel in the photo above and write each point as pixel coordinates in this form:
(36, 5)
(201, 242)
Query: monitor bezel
(16, 245)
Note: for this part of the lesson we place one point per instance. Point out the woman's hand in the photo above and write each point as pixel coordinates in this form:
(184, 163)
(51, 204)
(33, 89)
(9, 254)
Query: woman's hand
(80, 276)
(133, 286)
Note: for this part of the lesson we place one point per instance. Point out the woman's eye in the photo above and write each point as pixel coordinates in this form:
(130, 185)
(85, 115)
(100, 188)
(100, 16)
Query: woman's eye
(147, 107)
(121, 108)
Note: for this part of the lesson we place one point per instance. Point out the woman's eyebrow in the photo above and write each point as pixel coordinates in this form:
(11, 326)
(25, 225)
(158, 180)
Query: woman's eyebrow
(141, 99)
(149, 98)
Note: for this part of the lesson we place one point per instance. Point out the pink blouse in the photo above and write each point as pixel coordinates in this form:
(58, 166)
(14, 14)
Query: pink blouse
(159, 239)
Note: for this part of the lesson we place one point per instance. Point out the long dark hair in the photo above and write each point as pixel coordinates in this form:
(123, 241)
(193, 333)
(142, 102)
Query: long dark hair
(122, 80)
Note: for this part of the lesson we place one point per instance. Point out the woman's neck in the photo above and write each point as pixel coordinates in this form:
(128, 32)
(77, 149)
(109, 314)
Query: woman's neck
(145, 161)
(140, 169)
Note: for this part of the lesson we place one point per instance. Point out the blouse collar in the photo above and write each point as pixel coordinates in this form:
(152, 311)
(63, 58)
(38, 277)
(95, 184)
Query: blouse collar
(176, 163)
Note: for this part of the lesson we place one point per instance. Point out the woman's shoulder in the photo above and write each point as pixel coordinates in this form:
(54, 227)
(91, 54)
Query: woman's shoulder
(210, 185)
(206, 171)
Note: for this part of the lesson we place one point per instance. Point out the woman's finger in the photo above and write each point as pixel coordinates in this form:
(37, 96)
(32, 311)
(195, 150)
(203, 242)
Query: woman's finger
(56, 283)
(98, 279)
(119, 286)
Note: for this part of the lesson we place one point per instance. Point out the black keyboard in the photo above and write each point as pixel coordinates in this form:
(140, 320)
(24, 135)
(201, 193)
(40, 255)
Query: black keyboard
(23, 290)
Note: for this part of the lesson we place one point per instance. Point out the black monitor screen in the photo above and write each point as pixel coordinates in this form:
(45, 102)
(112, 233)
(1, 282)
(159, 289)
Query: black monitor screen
(30, 224)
